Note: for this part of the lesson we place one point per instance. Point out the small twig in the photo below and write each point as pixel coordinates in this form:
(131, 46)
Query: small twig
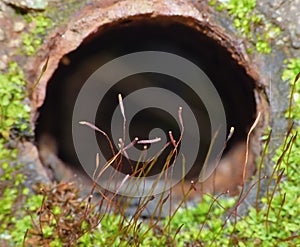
(247, 154)
(101, 131)
(260, 169)
(123, 114)
(291, 100)
(151, 141)
(39, 78)
(209, 210)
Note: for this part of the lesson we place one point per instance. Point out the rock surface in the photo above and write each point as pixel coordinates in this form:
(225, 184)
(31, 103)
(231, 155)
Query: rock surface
(286, 15)
(28, 4)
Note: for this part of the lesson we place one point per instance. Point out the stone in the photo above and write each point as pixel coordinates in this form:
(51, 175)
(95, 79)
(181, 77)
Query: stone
(276, 3)
(295, 44)
(19, 26)
(14, 43)
(298, 29)
(2, 35)
(28, 4)
(3, 62)
(33, 168)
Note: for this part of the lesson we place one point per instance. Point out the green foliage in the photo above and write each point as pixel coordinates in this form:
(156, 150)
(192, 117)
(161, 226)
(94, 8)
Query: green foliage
(33, 38)
(14, 114)
(13, 222)
(20, 227)
(291, 70)
(6, 205)
(249, 23)
(203, 223)
(14, 119)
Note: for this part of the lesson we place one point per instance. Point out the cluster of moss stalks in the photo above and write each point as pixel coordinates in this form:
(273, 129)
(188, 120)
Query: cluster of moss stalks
(57, 216)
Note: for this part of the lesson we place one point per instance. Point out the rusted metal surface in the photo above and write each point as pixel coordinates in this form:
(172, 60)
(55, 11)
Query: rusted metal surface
(91, 20)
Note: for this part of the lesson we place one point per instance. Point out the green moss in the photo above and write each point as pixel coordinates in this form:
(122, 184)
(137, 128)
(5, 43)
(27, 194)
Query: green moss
(14, 123)
(14, 114)
(33, 37)
(203, 224)
(40, 23)
(250, 24)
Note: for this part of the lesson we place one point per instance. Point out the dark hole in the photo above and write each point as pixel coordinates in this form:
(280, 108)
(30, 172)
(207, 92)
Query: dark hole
(161, 34)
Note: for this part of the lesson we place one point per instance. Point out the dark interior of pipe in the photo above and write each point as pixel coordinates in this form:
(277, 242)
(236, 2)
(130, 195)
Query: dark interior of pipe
(234, 86)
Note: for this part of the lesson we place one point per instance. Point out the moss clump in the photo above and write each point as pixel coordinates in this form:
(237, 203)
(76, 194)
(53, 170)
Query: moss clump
(33, 37)
(57, 14)
(13, 112)
(251, 24)
(14, 123)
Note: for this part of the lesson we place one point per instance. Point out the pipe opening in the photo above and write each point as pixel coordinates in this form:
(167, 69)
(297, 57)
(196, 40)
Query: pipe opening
(168, 34)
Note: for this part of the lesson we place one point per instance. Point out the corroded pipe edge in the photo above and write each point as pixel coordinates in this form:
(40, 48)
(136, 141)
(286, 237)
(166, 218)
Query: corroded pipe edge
(91, 20)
